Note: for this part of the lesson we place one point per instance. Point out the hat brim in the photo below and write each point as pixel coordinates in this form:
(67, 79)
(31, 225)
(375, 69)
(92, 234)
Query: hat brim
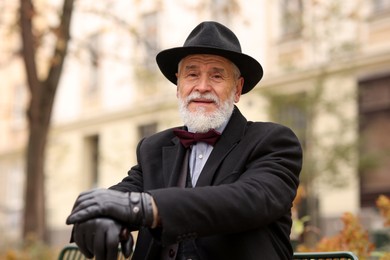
(250, 69)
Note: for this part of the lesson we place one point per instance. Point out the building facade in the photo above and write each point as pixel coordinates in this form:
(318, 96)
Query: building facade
(327, 76)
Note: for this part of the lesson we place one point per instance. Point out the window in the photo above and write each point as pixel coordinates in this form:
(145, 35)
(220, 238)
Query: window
(150, 40)
(291, 17)
(374, 129)
(92, 159)
(19, 109)
(94, 64)
(221, 10)
(380, 5)
(290, 110)
(147, 130)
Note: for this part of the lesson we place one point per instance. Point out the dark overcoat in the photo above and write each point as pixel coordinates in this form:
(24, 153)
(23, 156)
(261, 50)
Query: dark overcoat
(241, 206)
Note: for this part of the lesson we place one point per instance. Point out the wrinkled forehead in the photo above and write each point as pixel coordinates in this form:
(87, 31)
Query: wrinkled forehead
(197, 60)
(205, 59)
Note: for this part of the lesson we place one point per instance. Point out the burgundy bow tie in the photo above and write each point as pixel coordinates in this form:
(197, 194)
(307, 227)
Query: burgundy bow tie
(188, 138)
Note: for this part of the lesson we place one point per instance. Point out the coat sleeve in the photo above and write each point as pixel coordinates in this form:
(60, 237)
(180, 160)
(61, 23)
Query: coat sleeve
(266, 167)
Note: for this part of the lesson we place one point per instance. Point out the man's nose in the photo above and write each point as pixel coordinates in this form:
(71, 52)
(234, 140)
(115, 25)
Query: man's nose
(204, 84)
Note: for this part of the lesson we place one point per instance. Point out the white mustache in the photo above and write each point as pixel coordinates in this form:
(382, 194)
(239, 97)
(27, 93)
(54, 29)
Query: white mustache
(197, 95)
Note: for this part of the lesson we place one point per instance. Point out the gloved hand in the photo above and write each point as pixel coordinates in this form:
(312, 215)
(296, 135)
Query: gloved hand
(134, 209)
(100, 237)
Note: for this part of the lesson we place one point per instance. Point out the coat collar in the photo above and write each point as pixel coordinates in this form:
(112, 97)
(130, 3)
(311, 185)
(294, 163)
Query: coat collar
(173, 155)
(172, 158)
(231, 136)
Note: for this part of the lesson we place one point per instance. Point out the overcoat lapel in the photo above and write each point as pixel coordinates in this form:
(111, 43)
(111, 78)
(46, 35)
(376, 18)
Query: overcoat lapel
(172, 161)
(230, 137)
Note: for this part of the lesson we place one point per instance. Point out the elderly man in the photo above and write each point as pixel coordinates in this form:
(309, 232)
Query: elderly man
(219, 187)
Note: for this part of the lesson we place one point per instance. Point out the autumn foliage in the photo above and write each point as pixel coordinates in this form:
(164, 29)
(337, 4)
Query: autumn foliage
(383, 204)
(353, 237)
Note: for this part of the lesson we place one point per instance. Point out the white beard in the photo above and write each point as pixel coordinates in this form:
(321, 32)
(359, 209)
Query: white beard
(200, 121)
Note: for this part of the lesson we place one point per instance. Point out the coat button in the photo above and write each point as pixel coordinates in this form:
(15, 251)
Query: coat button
(171, 253)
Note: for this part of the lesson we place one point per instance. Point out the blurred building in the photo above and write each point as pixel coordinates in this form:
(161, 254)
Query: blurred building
(327, 75)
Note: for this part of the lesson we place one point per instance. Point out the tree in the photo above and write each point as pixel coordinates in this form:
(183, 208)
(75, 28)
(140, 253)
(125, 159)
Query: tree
(42, 92)
(43, 86)
(329, 151)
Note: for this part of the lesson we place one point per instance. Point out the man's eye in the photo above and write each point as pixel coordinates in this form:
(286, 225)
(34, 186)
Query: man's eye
(192, 75)
(216, 76)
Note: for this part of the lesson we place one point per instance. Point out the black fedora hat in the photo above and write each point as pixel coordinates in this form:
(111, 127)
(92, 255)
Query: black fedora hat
(212, 38)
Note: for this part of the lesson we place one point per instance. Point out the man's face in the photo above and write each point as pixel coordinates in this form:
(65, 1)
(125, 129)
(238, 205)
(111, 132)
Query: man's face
(206, 82)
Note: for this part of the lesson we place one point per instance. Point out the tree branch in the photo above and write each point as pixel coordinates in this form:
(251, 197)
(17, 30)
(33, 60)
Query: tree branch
(58, 57)
(63, 37)
(28, 46)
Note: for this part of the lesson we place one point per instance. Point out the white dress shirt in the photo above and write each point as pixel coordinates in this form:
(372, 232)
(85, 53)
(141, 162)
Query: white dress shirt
(200, 152)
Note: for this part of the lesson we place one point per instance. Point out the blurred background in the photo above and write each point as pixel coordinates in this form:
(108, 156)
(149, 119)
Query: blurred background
(80, 87)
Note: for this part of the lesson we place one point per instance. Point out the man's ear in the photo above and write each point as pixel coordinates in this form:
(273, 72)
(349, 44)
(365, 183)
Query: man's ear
(239, 85)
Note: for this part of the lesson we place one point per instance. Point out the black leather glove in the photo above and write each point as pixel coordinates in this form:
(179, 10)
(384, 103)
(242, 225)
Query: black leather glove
(100, 237)
(134, 209)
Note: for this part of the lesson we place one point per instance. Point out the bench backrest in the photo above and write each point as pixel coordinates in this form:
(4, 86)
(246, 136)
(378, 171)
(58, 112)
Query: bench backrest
(72, 252)
(339, 255)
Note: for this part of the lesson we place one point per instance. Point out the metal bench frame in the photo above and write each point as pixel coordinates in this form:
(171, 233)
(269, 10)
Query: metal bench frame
(72, 252)
(345, 255)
